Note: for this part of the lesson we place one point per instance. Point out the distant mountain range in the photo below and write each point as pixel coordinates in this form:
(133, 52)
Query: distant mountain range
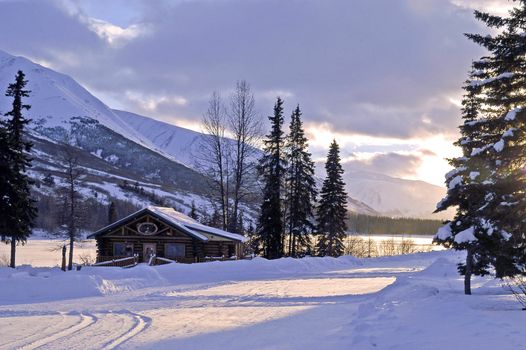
(118, 145)
(393, 196)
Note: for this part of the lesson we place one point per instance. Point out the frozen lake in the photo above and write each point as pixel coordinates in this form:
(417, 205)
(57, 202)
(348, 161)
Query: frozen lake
(43, 252)
(417, 239)
(47, 252)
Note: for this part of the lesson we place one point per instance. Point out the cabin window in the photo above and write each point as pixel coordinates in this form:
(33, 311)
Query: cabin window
(122, 249)
(174, 250)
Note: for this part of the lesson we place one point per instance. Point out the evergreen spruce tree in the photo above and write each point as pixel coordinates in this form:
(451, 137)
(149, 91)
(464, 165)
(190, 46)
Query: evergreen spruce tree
(254, 243)
(468, 186)
(300, 188)
(241, 223)
(332, 207)
(494, 143)
(112, 213)
(272, 171)
(215, 220)
(193, 212)
(48, 180)
(6, 179)
(18, 218)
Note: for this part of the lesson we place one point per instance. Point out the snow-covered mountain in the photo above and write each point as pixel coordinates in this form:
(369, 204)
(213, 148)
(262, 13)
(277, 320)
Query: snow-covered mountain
(66, 117)
(178, 142)
(159, 154)
(56, 98)
(393, 196)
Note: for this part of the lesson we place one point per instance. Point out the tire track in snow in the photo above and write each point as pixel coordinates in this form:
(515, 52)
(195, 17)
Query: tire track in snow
(141, 323)
(108, 331)
(61, 325)
(86, 320)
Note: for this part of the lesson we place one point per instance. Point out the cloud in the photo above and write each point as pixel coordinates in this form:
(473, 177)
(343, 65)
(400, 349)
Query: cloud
(392, 164)
(386, 70)
(376, 68)
(113, 34)
(499, 7)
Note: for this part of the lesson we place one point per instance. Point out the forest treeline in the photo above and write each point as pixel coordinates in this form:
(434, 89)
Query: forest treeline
(384, 225)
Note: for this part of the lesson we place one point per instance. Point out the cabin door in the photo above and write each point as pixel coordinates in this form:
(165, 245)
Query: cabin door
(148, 249)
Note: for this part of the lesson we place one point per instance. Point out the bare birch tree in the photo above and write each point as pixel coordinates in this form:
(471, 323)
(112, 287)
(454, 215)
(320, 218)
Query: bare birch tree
(213, 157)
(71, 214)
(245, 127)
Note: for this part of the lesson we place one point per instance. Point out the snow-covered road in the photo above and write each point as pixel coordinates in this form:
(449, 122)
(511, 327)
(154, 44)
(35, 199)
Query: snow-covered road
(313, 303)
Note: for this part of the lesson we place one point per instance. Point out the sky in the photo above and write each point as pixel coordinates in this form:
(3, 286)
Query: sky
(382, 77)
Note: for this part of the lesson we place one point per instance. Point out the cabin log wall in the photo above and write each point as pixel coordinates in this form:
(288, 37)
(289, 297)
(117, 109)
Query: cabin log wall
(195, 249)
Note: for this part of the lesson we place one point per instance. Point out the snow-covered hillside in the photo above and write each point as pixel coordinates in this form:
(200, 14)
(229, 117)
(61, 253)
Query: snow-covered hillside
(66, 117)
(60, 105)
(402, 302)
(183, 144)
(56, 98)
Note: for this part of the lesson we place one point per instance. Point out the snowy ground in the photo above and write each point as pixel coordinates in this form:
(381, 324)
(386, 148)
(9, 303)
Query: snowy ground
(403, 302)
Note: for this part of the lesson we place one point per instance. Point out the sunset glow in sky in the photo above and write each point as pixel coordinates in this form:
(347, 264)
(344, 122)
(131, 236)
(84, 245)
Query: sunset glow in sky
(383, 77)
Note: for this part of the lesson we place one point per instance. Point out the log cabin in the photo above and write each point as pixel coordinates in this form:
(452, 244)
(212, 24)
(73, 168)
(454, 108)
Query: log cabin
(165, 233)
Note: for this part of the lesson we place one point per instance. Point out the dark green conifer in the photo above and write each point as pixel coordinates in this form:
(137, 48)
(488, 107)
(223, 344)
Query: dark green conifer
(332, 208)
(112, 213)
(300, 188)
(17, 220)
(272, 171)
(488, 181)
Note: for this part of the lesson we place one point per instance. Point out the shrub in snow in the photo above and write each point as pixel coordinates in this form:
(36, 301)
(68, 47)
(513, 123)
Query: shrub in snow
(517, 285)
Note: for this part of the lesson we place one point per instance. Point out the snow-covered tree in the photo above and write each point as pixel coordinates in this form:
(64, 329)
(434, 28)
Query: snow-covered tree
(300, 187)
(18, 217)
(468, 187)
(488, 182)
(272, 170)
(332, 207)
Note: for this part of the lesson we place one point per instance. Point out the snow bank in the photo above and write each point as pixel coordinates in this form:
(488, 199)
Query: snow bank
(31, 285)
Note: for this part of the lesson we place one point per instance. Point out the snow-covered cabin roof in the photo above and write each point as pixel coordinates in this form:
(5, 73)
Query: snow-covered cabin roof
(177, 219)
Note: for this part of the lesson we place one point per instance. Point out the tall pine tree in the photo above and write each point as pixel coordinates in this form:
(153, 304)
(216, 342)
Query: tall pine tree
(272, 171)
(6, 180)
(467, 188)
(332, 208)
(300, 188)
(17, 220)
(495, 141)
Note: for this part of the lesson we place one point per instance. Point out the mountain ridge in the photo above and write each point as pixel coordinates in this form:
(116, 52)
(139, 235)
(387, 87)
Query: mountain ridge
(58, 99)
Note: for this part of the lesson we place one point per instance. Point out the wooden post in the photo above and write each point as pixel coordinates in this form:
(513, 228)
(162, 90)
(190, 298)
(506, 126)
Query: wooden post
(64, 257)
